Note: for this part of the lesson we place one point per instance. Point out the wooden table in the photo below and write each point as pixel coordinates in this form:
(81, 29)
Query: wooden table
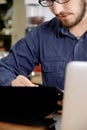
(11, 126)
(37, 78)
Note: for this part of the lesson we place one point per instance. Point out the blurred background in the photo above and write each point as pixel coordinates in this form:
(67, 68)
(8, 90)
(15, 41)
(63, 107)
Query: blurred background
(17, 17)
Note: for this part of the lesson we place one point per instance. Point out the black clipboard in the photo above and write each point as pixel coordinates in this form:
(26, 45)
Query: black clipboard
(29, 105)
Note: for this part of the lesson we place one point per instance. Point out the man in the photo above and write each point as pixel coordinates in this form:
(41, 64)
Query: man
(53, 44)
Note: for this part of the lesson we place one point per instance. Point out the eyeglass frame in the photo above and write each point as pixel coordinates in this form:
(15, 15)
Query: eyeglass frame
(52, 2)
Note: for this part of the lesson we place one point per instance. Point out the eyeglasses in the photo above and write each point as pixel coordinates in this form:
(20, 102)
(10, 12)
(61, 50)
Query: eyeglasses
(48, 3)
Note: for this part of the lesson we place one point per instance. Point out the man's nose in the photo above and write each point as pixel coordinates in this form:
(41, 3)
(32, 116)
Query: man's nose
(58, 7)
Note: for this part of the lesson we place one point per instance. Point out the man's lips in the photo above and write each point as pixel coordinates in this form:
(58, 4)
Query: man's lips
(63, 16)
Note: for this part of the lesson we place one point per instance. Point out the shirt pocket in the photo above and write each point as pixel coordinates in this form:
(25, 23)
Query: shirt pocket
(53, 66)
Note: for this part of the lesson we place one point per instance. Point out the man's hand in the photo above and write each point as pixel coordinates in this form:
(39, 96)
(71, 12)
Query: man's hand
(22, 81)
(60, 104)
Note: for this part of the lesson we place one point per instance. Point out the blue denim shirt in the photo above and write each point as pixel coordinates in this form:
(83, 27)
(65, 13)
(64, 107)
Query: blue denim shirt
(49, 44)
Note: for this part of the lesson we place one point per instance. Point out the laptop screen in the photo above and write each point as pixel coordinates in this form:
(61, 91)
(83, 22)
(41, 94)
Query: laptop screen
(74, 115)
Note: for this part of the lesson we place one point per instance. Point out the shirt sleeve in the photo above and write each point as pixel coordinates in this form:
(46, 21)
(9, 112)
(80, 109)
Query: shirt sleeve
(21, 59)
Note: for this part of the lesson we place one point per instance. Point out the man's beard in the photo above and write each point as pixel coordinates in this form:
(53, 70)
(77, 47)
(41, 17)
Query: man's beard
(78, 18)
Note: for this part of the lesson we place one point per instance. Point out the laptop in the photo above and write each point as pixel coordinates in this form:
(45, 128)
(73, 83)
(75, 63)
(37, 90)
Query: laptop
(29, 105)
(74, 115)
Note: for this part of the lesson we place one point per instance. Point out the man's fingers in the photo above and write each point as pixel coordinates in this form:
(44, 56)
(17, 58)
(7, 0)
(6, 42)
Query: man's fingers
(23, 82)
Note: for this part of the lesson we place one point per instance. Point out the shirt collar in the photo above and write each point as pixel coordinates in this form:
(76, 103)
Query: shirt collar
(85, 34)
(63, 31)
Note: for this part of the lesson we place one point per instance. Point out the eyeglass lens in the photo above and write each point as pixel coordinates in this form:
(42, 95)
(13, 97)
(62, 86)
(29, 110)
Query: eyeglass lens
(50, 2)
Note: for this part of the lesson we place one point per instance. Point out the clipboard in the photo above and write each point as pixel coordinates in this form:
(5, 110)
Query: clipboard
(29, 105)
